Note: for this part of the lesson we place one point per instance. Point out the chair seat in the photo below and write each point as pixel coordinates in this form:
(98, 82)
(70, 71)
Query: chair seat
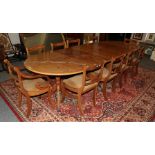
(135, 61)
(74, 83)
(35, 86)
(116, 65)
(105, 74)
(124, 67)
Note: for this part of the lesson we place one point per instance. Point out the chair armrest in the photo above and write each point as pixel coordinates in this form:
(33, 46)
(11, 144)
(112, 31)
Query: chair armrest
(29, 76)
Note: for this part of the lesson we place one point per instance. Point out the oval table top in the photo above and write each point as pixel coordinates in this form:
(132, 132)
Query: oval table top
(70, 60)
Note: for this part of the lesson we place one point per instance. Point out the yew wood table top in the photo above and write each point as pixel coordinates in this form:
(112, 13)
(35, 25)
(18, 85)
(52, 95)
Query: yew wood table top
(70, 60)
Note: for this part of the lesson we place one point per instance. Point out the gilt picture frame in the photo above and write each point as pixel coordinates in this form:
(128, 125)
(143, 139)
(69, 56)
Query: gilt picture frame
(138, 36)
(150, 37)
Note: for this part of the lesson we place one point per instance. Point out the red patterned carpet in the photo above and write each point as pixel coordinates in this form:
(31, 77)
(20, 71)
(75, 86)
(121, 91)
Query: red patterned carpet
(134, 102)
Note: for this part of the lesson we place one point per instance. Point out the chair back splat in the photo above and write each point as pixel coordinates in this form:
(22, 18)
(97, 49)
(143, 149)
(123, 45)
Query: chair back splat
(71, 43)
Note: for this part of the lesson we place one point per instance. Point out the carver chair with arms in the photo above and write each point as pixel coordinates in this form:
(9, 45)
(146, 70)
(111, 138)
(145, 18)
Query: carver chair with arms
(124, 69)
(29, 85)
(134, 59)
(110, 73)
(81, 84)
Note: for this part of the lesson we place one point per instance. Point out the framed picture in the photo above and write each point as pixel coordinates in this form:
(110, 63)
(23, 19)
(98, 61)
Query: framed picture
(150, 37)
(138, 36)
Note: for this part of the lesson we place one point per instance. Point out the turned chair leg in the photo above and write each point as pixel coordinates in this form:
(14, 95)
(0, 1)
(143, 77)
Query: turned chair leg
(29, 106)
(79, 103)
(49, 98)
(63, 92)
(19, 98)
(104, 90)
(125, 76)
(94, 96)
(120, 80)
(136, 68)
(114, 85)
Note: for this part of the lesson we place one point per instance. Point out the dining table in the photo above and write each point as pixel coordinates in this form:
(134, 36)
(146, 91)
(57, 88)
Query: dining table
(69, 61)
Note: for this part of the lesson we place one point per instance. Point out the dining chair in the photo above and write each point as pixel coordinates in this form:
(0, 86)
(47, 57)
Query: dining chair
(2, 56)
(124, 69)
(75, 42)
(57, 46)
(29, 85)
(110, 73)
(90, 38)
(35, 50)
(93, 39)
(131, 42)
(80, 84)
(135, 58)
(126, 40)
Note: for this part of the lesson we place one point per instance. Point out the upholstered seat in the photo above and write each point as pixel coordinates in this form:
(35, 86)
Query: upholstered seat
(135, 60)
(35, 87)
(124, 67)
(105, 74)
(75, 82)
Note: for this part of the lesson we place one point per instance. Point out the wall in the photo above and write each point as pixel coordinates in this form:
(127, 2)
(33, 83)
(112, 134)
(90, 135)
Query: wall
(14, 37)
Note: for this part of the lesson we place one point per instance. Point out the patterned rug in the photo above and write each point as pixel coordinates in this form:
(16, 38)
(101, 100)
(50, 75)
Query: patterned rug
(135, 101)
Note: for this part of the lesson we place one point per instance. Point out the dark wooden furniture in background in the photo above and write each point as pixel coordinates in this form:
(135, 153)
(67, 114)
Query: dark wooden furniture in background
(102, 37)
(114, 36)
(75, 42)
(2, 56)
(73, 36)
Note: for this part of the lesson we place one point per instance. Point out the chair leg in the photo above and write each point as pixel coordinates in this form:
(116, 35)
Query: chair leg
(19, 98)
(79, 103)
(49, 98)
(114, 85)
(132, 72)
(3, 66)
(94, 96)
(136, 68)
(29, 106)
(63, 94)
(104, 89)
(125, 76)
(120, 80)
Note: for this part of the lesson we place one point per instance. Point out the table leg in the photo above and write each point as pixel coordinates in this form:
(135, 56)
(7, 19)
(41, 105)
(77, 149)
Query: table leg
(58, 84)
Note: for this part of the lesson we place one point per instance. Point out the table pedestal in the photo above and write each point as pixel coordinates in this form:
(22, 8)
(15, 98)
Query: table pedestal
(58, 93)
